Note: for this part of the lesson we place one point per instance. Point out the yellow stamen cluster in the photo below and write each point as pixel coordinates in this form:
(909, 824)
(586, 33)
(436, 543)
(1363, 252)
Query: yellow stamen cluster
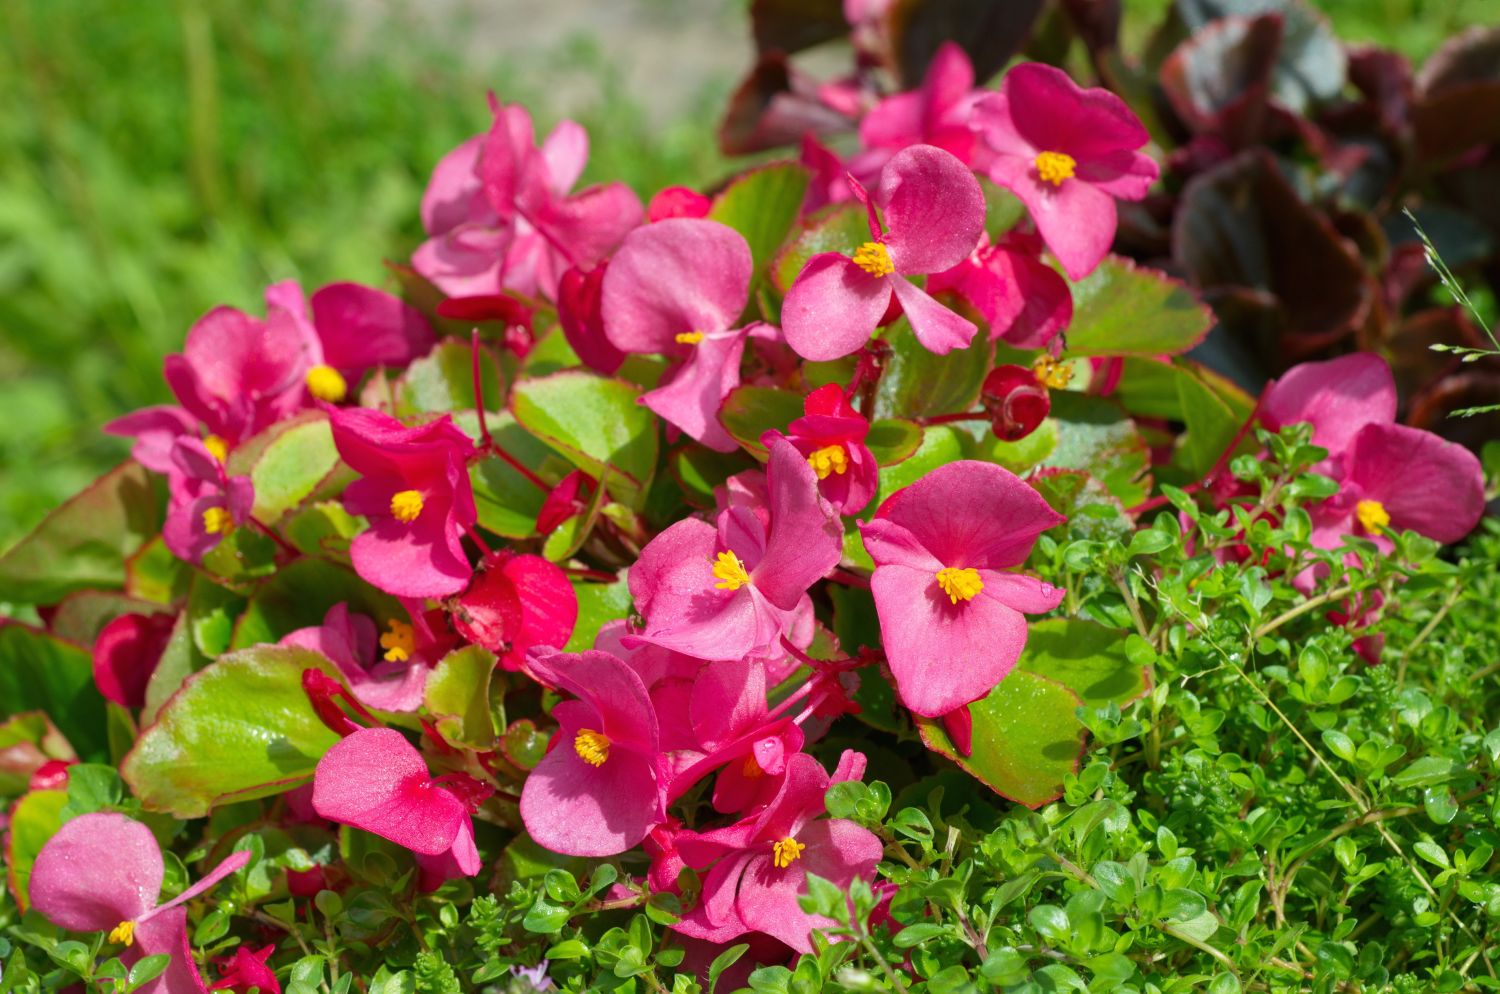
(592, 747)
(399, 643)
(959, 584)
(218, 521)
(786, 852)
(123, 934)
(406, 505)
(829, 460)
(327, 384)
(730, 572)
(1373, 515)
(1050, 373)
(874, 258)
(1054, 167)
(688, 337)
(217, 447)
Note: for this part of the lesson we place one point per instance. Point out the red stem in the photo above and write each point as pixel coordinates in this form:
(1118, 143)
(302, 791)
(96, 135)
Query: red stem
(942, 419)
(485, 441)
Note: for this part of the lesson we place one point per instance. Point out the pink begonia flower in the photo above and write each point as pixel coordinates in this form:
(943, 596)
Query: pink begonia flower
(347, 330)
(1025, 301)
(829, 183)
(103, 872)
(731, 591)
(384, 671)
(1068, 153)
(416, 493)
(580, 311)
(566, 501)
(676, 288)
(677, 201)
(377, 781)
(1338, 397)
(126, 652)
(246, 969)
(1016, 400)
(729, 718)
(500, 216)
(516, 602)
(599, 789)
(206, 503)
(936, 114)
(155, 430)
(763, 861)
(950, 606)
(1396, 478)
(934, 213)
(831, 435)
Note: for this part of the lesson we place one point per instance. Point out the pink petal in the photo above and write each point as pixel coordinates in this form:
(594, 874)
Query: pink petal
(806, 537)
(361, 327)
(728, 699)
(1426, 483)
(233, 863)
(155, 430)
(451, 195)
(376, 780)
(609, 686)
(715, 918)
(938, 329)
(833, 307)
(167, 933)
(572, 807)
(949, 78)
(566, 152)
(126, 652)
(837, 850)
(421, 559)
(99, 870)
(591, 223)
(895, 122)
(692, 397)
(934, 209)
(1076, 219)
(465, 261)
(1054, 113)
(1337, 397)
(674, 277)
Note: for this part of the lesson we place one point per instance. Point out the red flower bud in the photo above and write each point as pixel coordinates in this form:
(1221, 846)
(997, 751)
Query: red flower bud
(569, 498)
(677, 201)
(1016, 402)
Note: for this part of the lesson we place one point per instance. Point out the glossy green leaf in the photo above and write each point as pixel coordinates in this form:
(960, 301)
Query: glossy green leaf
(458, 695)
(291, 467)
(940, 445)
(35, 819)
(749, 412)
(893, 440)
(917, 382)
(1120, 309)
(1096, 436)
(593, 421)
(443, 380)
(598, 604)
(507, 501)
(836, 228)
(41, 672)
(763, 205)
(301, 594)
(1086, 657)
(240, 729)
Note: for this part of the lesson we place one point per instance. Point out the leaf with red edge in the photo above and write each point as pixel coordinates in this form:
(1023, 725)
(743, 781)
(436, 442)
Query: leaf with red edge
(28, 741)
(41, 672)
(1219, 79)
(458, 695)
(1123, 309)
(35, 819)
(1087, 658)
(1458, 101)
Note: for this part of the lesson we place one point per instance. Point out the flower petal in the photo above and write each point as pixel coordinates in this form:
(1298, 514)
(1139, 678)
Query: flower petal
(934, 209)
(1338, 397)
(674, 277)
(377, 781)
(938, 329)
(833, 307)
(99, 870)
(1426, 483)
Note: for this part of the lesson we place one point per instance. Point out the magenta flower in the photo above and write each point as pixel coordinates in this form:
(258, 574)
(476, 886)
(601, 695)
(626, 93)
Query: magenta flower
(600, 788)
(1025, 301)
(763, 861)
(934, 214)
(1068, 153)
(950, 606)
(103, 871)
(386, 671)
(831, 435)
(1338, 397)
(416, 493)
(677, 201)
(206, 502)
(246, 969)
(155, 430)
(377, 781)
(731, 591)
(126, 652)
(580, 311)
(936, 113)
(516, 602)
(829, 183)
(677, 288)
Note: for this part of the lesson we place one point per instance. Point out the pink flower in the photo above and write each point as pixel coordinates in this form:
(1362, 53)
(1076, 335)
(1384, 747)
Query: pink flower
(500, 216)
(731, 591)
(126, 652)
(677, 288)
(155, 430)
(377, 781)
(934, 213)
(389, 676)
(950, 608)
(1068, 153)
(677, 201)
(831, 435)
(1016, 400)
(600, 788)
(206, 502)
(763, 861)
(514, 603)
(936, 113)
(416, 493)
(829, 183)
(246, 969)
(580, 302)
(1338, 397)
(103, 871)
(1025, 301)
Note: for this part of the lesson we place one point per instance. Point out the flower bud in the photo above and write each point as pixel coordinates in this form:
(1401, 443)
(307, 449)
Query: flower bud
(1016, 402)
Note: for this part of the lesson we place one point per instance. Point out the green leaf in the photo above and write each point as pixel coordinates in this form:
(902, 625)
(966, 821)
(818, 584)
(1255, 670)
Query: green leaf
(27, 741)
(762, 205)
(1026, 739)
(458, 695)
(41, 672)
(1087, 658)
(291, 467)
(1120, 309)
(893, 440)
(838, 228)
(593, 422)
(567, 538)
(84, 543)
(1096, 436)
(598, 603)
(1427, 771)
(917, 382)
(1214, 410)
(749, 412)
(508, 502)
(443, 380)
(35, 818)
(240, 729)
(301, 594)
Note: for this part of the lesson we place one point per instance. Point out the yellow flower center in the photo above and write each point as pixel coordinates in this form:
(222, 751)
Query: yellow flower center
(327, 383)
(1054, 167)
(688, 337)
(406, 505)
(218, 521)
(874, 258)
(217, 447)
(399, 642)
(1051, 373)
(1373, 515)
(751, 768)
(123, 933)
(730, 572)
(828, 460)
(592, 747)
(959, 584)
(786, 852)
